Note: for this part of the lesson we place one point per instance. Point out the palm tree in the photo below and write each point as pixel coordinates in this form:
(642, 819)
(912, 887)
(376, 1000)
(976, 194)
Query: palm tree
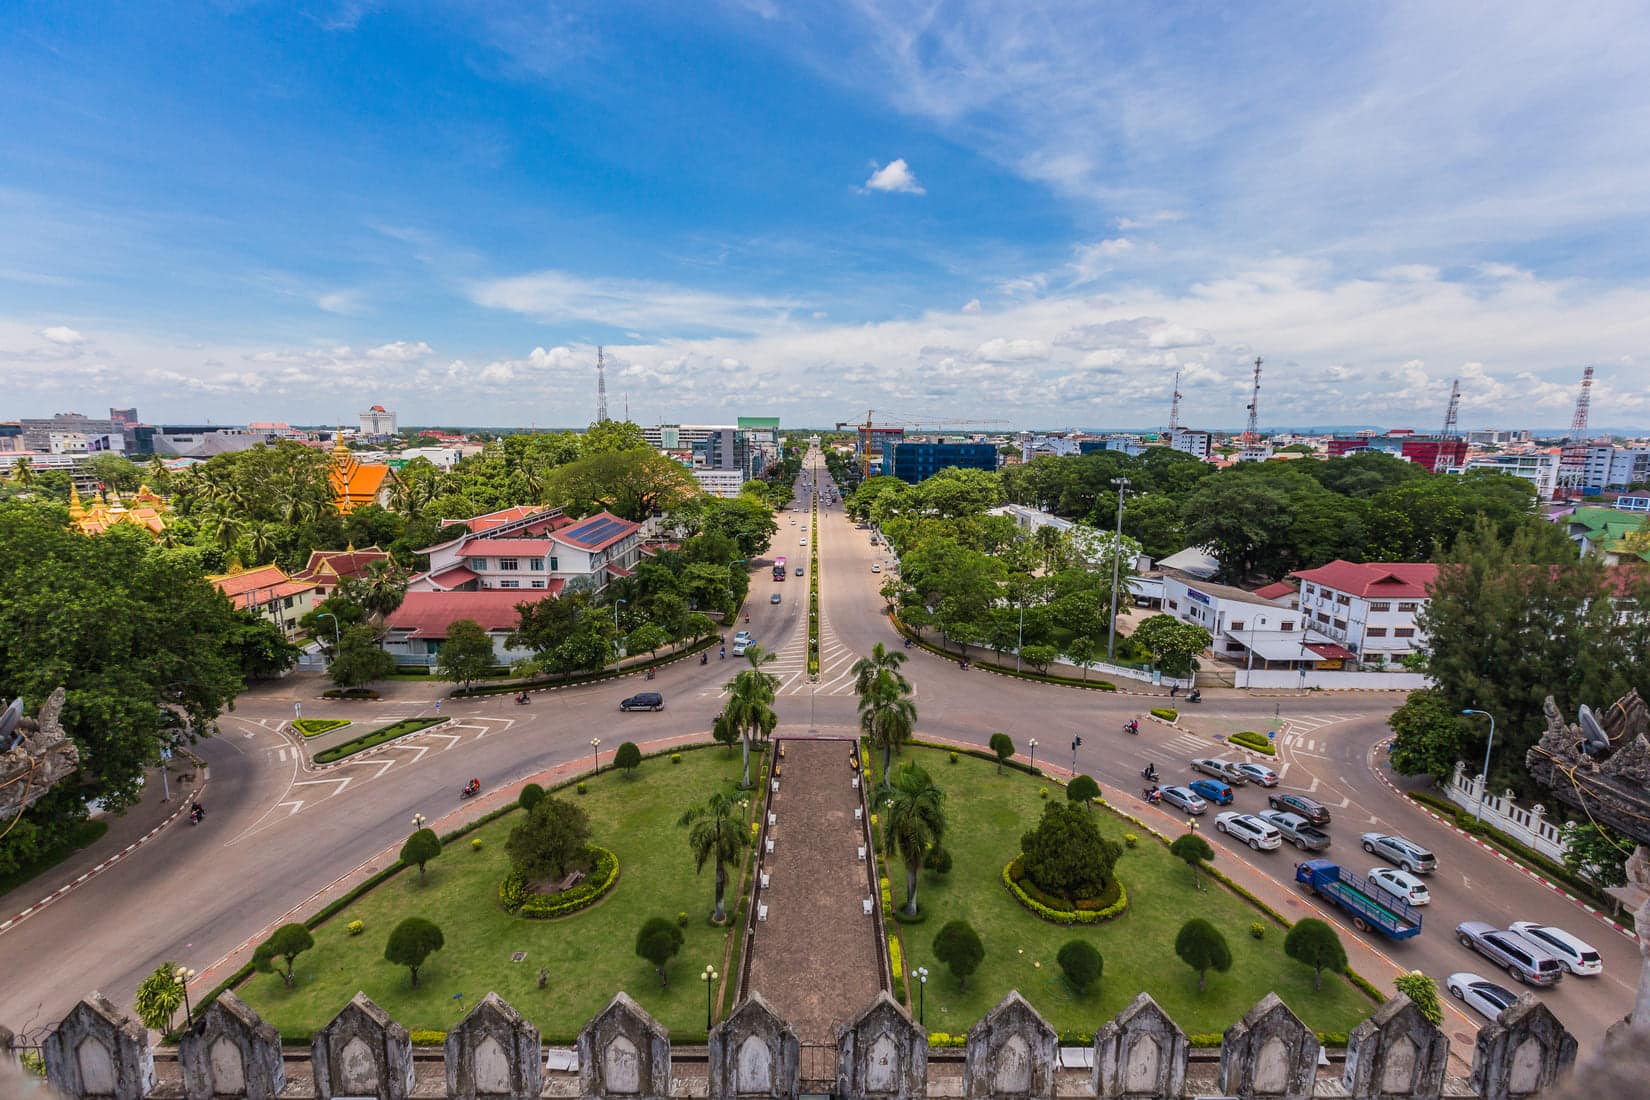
(865, 669)
(22, 471)
(913, 821)
(750, 703)
(384, 587)
(717, 831)
(260, 542)
(223, 529)
(887, 714)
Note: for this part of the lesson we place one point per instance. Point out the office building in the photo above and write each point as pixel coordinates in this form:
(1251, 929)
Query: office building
(914, 462)
(1193, 443)
(67, 428)
(378, 423)
(1369, 607)
(126, 419)
(1539, 468)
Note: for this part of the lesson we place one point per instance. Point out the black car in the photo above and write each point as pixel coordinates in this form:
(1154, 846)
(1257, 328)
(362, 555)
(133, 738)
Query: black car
(1309, 808)
(646, 700)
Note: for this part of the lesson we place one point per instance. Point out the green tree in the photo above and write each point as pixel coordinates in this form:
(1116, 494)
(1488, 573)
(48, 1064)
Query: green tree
(913, 821)
(1040, 657)
(1313, 943)
(1066, 855)
(286, 943)
(658, 942)
(1172, 643)
(158, 997)
(866, 670)
(628, 757)
(1194, 851)
(1201, 947)
(551, 842)
(531, 795)
(958, 946)
(467, 654)
(632, 483)
(1002, 747)
(420, 848)
(716, 833)
(886, 713)
(1423, 993)
(1430, 735)
(750, 703)
(412, 942)
(647, 638)
(724, 732)
(1083, 651)
(1239, 519)
(1598, 852)
(1081, 963)
(359, 659)
(1082, 790)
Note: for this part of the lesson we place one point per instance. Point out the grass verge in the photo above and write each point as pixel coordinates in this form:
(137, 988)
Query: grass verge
(375, 738)
(1004, 670)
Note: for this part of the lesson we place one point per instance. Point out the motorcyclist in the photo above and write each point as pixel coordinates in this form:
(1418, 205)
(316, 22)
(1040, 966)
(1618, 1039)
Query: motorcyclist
(1154, 795)
(1194, 696)
(1133, 725)
(1149, 773)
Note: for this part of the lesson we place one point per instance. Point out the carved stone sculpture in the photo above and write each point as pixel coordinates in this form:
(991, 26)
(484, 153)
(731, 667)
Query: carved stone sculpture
(35, 754)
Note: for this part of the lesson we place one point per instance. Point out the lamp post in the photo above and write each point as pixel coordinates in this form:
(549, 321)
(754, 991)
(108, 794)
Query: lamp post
(418, 821)
(921, 974)
(1122, 484)
(1483, 779)
(1032, 744)
(184, 975)
(596, 752)
(1076, 743)
(709, 978)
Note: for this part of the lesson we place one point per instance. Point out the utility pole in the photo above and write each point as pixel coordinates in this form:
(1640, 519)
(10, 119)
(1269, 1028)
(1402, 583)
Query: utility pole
(1122, 484)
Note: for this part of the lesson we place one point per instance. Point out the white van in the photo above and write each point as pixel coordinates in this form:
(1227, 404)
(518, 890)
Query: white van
(1578, 955)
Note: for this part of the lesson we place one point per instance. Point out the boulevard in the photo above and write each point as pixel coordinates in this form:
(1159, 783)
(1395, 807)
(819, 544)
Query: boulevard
(282, 836)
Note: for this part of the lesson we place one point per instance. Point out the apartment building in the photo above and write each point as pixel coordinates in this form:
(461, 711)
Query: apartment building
(1369, 607)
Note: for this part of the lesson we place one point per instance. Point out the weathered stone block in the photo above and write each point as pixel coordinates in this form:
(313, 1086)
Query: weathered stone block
(362, 1052)
(1011, 1054)
(1140, 1053)
(754, 1053)
(97, 1052)
(231, 1052)
(624, 1052)
(1269, 1052)
(494, 1052)
(1523, 1053)
(1396, 1052)
(882, 1054)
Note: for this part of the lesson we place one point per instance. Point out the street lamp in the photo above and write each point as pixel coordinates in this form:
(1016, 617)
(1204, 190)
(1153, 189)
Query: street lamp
(616, 604)
(337, 633)
(921, 974)
(184, 975)
(418, 821)
(1033, 746)
(1122, 484)
(1484, 779)
(596, 752)
(709, 978)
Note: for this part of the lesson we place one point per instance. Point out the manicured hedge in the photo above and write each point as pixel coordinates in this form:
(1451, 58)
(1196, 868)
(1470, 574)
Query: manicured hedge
(1168, 714)
(357, 694)
(1079, 915)
(375, 738)
(314, 727)
(1256, 742)
(514, 896)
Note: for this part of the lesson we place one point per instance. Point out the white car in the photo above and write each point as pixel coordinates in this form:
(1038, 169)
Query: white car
(803, 541)
(1259, 835)
(1258, 774)
(876, 567)
(1581, 957)
(1480, 994)
(1400, 884)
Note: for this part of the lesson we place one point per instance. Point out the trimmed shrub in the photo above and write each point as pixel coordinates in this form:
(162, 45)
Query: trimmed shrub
(355, 928)
(1130, 840)
(531, 795)
(1256, 742)
(1257, 930)
(314, 727)
(939, 861)
(1088, 911)
(601, 879)
(953, 760)
(475, 844)
(1168, 714)
(958, 946)
(675, 758)
(1081, 963)
(375, 738)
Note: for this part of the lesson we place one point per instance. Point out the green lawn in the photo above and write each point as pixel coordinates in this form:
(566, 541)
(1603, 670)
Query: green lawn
(987, 815)
(589, 956)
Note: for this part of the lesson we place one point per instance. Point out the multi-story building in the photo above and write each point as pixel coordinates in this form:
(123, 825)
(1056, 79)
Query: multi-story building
(1194, 443)
(270, 593)
(1430, 452)
(1611, 467)
(530, 549)
(1041, 446)
(1539, 468)
(720, 483)
(125, 419)
(1127, 444)
(378, 423)
(879, 445)
(1247, 628)
(38, 433)
(914, 462)
(1499, 437)
(1369, 607)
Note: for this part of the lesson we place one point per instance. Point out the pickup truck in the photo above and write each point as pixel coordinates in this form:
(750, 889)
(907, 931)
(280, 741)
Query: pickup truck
(1221, 769)
(1296, 830)
(1368, 907)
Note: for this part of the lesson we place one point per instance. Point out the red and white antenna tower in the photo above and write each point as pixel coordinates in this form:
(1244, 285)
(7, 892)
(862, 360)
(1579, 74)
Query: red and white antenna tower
(1572, 461)
(1174, 407)
(1252, 435)
(1445, 452)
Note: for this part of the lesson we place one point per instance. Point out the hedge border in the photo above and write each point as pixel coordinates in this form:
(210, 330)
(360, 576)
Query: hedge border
(558, 906)
(1059, 916)
(379, 736)
(1254, 742)
(543, 682)
(328, 725)
(991, 666)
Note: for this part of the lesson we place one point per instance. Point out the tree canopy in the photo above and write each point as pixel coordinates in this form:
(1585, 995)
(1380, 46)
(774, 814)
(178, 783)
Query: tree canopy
(411, 942)
(1066, 855)
(551, 842)
(1314, 943)
(958, 946)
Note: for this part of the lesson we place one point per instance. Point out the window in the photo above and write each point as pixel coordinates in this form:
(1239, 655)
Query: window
(1375, 632)
(509, 584)
(1343, 599)
(538, 582)
(1173, 606)
(552, 565)
(479, 565)
(1381, 606)
(536, 563)
(1340, 624)
(1322, 618)
(509, 565)
(1404, 632)
(1287, 625)
(287, 602)
(1409, 606)
(1238, 625)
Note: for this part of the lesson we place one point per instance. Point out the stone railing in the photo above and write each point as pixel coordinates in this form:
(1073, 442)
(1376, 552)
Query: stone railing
(753, 1054)
(1529, 827)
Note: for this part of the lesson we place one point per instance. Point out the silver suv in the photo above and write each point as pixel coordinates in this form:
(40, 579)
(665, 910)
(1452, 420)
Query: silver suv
(1405, 853)
(1517, 955)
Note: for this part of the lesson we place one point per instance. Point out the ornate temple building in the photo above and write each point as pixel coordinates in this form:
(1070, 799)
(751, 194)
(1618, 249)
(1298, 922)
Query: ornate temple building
(354, 482)
(145, 509)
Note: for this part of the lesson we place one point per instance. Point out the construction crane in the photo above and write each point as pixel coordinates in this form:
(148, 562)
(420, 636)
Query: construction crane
(1449, 431)
(1572, 460)
(1174, 407)
(869, 430)
(1251, 435)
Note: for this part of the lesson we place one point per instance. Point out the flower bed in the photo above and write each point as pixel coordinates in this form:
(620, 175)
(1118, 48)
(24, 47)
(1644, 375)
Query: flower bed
(314, 727)
(1088, 911)
(516, 898)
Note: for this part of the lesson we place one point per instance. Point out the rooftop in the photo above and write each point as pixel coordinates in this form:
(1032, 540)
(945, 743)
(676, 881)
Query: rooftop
(1375, 580)
(430, 614)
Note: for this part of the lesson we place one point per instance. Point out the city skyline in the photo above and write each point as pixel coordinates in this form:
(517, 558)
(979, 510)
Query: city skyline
(254, 211)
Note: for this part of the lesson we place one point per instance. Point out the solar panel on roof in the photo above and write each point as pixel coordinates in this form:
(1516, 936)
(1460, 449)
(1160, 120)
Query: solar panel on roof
(597, 530)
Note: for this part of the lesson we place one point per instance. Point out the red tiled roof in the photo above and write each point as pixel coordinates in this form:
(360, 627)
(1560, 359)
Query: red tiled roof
(506, 548)
(477, 524)
(618, 570)
(267, 582)
(343, 563)
(429, 614)
(1329, 651)
(1274, 591)
(452, 578)
(1375, 579)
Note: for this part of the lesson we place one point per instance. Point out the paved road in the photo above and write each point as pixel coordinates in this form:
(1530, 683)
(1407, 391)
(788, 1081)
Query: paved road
(280, 833)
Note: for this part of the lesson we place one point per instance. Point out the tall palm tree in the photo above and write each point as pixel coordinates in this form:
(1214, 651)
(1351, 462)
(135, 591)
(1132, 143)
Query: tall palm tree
(22, 471)
(865, 669)
(750, 703)
(887, 714)
(716, 831)
(223, 529)
(383, 587)
(260, 542)
(913, 821)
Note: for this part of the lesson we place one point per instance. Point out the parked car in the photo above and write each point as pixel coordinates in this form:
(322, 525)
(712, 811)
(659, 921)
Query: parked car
(774, 598)
(739, 647)
(1258, 774)
(1297, 830)
(644, 700)
(799, 570)
(1185, 798)
(1578, 956)
(1259, 835)
(1400, 884)
(1214, 790)
(1480, 994)
(1309, 808)
(1220, 769)
(1405, 853)
(1518, 956)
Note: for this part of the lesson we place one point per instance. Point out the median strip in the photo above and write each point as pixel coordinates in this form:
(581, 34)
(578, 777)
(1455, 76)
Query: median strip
(376, 737)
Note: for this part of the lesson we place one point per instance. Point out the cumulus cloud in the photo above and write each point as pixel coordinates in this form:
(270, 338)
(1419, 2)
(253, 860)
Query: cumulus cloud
(62, 335)
(561, 296)
(972, 306)
(402, 351)
(896, 175)
(339, 301)
(1147, 221)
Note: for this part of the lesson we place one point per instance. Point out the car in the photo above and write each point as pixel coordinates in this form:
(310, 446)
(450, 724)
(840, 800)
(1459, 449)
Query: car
(1258, 834)
(1220, 769)
(798, 571)
(1405, 853)
(742, 636)
(1297, 830)
(793, 521)
(774, 598)
(803, 541)
(876, 567)
(1212, 789)
(1185, 798)
(644, 700)
(1400, 884)
(1518, 956)
(739, 648)
(1480, 994)
(1578, 956)
(1258, 774)
(1310, 808)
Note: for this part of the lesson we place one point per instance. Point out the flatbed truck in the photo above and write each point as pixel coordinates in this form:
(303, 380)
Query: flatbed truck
(1369, 908)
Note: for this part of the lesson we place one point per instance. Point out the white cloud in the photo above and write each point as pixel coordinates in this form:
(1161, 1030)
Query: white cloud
(896, 175)
(972, 306)
(1090, 261)
(561, 296)
(343, 302)
(62, 335)
(1147, 221)
(402, 351)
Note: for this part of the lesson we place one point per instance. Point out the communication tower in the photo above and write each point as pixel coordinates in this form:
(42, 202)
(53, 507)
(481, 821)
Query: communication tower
(1572, 460)
(601, 387)
(1252, 435)
(1174, 407)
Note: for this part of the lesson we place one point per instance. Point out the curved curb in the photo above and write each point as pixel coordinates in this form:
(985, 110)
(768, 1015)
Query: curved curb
(69, 887)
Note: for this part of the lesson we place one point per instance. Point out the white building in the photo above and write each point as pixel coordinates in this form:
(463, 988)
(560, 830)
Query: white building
(534, 550)
(1193, 443)
(1033, 445)
(377, 422)
(719, 483)
(1612, 467)
(1369, 607)
(416, 631)
(1540, 468)
(1249, 629)
(1092, 542)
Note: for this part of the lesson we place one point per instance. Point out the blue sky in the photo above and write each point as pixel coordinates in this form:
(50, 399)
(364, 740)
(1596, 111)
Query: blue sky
(1028, 212)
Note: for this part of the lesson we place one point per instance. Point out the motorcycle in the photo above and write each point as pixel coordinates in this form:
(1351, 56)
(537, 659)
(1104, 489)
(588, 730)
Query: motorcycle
(1194, 696)
(1132, 727)
(196, 814)
(522, 700)
(1152, 795)
(704, 658)
(1149, 773)
(470, 789)
(650, 673)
